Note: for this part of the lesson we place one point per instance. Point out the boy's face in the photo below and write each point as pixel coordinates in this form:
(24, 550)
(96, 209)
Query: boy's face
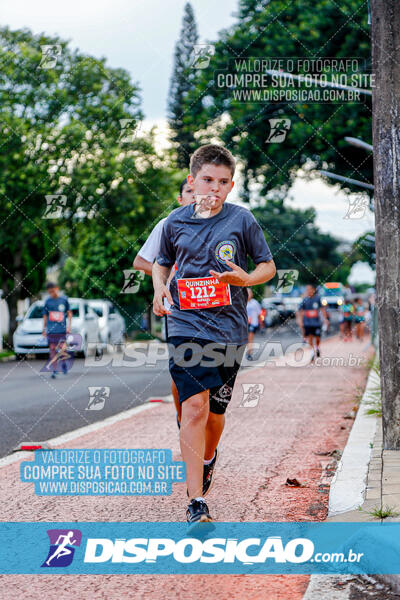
(310, 290)
(187, 195)
(212, 183)
(53, 292)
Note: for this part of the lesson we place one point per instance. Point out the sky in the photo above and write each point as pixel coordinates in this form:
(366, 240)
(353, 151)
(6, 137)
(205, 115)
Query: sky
(140, 36)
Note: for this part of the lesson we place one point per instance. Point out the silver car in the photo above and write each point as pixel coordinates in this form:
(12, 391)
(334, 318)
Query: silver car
(111, 322)
(28, 338)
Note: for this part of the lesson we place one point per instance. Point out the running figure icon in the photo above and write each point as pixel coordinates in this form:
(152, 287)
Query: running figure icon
(62, 549)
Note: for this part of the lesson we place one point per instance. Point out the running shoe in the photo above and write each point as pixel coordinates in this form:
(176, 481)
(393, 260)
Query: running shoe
(197, 511)
(208, 473)
(53, 375)
(318, 352)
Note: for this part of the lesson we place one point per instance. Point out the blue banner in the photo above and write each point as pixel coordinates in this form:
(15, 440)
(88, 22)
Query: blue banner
(205, 548)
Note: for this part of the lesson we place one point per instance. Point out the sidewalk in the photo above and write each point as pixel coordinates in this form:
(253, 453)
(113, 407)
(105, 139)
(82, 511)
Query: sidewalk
(380, 496)
(297, 431)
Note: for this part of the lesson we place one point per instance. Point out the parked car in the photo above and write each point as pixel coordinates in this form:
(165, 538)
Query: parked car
(111, 322)
(278, 304)
(291, 304)
(28, 337)
(272, 314)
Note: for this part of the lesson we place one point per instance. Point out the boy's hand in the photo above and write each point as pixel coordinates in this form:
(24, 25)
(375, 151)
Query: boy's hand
(236, 277)
(158, 305)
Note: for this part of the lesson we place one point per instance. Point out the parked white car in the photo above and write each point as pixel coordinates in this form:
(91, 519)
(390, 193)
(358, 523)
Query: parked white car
(111, 322)
(28, 337)
(272, 314)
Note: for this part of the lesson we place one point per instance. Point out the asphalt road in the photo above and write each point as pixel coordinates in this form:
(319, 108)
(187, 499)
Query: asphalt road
(34, 407)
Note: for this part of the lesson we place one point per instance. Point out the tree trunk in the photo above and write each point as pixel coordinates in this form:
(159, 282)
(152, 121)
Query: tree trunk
(385, 21)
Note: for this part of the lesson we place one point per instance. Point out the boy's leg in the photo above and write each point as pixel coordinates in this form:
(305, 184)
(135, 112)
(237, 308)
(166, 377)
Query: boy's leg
(195, 412)
(214, 428)
(175, 396)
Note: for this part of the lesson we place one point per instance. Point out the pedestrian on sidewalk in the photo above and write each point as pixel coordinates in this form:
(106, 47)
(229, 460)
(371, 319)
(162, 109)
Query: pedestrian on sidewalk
(144, 262)
(210, 242)
(253, 314)
(56, 311)
(309, 319)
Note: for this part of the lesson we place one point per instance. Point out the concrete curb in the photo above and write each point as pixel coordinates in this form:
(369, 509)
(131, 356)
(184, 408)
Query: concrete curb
(349, 483)
(347, 490)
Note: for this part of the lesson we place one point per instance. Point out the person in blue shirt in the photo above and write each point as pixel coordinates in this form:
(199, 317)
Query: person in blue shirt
(359, 318)
(56, 312)
(309, 318)
(348, 317)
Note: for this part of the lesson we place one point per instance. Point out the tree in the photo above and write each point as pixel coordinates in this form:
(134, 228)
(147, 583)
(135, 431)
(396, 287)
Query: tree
(182, 81)
(296, 243)
(385, 20)
(68, 131)
(105, 247)
(364, 249)
(281, 29)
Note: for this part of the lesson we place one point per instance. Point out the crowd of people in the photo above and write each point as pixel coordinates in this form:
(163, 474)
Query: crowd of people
(313, 318)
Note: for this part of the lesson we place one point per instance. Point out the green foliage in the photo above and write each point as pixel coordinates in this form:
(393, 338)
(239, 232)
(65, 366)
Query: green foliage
(278, 29)
(62, 135)
(296, 243)
(364, 249)
(182, 82)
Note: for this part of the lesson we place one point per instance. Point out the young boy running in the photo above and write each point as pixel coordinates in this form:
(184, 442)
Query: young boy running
(148, 253)
(210, 242)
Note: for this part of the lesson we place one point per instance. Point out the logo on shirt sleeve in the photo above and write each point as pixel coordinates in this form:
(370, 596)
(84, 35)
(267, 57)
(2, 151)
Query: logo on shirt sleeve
(225, 250)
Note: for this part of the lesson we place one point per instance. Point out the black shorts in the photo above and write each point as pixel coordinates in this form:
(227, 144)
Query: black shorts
(56, 338)
(253, 328)
(312, 330)
(192, 375)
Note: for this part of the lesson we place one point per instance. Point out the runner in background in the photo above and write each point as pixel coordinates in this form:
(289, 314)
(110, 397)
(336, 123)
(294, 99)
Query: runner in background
(359, 318)
(348, 310)
(144, 262)
(309, 319)
(55, 312)
(253, 313)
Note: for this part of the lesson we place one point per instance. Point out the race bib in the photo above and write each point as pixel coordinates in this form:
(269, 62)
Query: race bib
(311, 314)
(56, 315)
(204, 292)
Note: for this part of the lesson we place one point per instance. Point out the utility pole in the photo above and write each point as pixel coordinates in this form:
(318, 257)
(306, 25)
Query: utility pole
(385, 29)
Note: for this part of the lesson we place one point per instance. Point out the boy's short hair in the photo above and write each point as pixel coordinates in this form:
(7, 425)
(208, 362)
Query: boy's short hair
(211, 154)
(184, 182)
(50, 285)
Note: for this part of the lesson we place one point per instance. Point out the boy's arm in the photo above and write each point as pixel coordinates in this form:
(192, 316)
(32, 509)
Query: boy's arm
(160, 276)
(69, 316)
(324, 312)
(263, 272)
(141, 264)
(44, 324)
(300, 319)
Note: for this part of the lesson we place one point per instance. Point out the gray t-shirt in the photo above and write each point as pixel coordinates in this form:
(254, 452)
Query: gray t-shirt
(198, 245)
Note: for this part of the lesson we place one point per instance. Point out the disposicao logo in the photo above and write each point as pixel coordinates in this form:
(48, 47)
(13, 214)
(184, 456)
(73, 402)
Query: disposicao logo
(190, 550)
(62, 547)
